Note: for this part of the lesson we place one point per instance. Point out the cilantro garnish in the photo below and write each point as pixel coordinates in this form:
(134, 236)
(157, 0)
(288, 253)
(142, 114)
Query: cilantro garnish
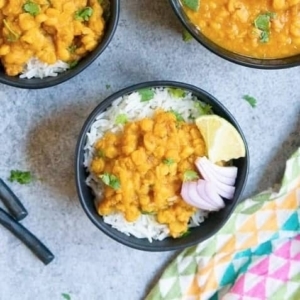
(101, 153)
(84, 14)
(72, 48)
(190, 175)
(251, 100)
(146, 94)
(66, 296)
(107, 86)
(203, 108)
(262, 22)
(191, 4)
(22, 177)
(121, 119)
(111, 180)
(188, 232)
(179, 117)
(12, 35)
(168, 161)
(73, 63)
(31, 8)
(176, 93)
(186, 36)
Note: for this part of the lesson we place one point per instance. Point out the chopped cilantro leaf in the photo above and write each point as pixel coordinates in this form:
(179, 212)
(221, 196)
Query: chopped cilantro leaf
(176, 93)
(121, 119)
(22, 177)
(203, 108)
(111, 180)
(188, 232)
(108, 86)
(31, 8)
(101, 153)
(84, 14)
(72, 48)
(66, 296)
(192, 4)
(146, 94)
(262, 22)
(73, 64)
(190, 175)
(168, 161)
(251, 100)
(179, 117)
(186, 36)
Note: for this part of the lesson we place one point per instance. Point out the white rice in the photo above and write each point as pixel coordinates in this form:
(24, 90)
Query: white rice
(146, 226)
(35, 68)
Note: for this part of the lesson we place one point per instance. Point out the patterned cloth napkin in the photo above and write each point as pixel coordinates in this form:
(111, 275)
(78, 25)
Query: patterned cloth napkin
(255, 256)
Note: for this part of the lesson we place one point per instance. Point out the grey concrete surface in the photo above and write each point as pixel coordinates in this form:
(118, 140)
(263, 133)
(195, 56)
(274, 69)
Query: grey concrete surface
(38, 132)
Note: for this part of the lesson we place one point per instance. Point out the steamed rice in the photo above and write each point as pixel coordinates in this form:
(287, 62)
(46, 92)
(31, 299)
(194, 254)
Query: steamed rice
(146, 226)
(35, 68)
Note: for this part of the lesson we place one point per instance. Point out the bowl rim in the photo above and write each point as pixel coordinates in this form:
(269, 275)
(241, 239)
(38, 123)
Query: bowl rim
(81, 142)
(245, 61)
(41, 83)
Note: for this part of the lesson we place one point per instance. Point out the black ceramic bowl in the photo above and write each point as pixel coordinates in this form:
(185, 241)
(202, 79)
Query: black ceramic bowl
(246, 61)
(37, 83)
(210, 226)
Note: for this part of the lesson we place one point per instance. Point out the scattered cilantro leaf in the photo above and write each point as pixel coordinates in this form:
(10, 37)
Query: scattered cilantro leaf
(251, 100)
(192, 4)
(12, 35)
(84, 14)
(111, 180)
(101, 153)
(108, 86)
(168, 161)
(73, 64)
(66, 296)
(262, 22)
(22, 177)
(186, 36)
(190, 175)
(147, 213)
(191, 117)
(31, 8)
(203, 108)
(176, 93)
(146, 94)
(72, 48)
(188, 232)
(179, 117)
(121, 119)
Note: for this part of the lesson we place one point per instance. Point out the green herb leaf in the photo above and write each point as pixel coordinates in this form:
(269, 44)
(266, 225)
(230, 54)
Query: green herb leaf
(203, 108)
(188, 232)
(72, 48)
(179, 117)
(186, 36)
(73, 64)
(192, 4)
(66, 296)
(176, 93)
(22, 177)
(111, 180)
(146, 94)
(168, 161)
(31, 8)
(191, 117)
(84, 14)
(251, 100)
(12, 35)
(190, 175)
(108, 86)
(121, 119)
(262, 22)
(101, 153)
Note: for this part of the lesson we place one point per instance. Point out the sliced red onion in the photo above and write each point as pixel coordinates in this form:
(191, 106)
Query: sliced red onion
(206, 201)
(212, 194)
(226, 171)
(224, 190)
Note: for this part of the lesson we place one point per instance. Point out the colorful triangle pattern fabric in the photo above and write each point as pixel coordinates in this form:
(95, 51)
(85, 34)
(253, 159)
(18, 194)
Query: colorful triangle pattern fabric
(255, 256)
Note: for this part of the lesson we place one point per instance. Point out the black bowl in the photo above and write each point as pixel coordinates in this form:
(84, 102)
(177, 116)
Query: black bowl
(210, 226)
(246, 61)
(38, 83)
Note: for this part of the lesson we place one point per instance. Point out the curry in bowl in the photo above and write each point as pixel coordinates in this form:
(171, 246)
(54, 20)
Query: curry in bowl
(260, 29)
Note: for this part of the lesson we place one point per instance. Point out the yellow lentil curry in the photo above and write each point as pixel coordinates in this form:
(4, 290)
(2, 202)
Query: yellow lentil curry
(49, 30)
(144, 167)
(255, 28)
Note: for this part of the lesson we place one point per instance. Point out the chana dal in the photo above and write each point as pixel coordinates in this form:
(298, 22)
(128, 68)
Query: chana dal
(260, 29)
(51, 31)
(145, 164)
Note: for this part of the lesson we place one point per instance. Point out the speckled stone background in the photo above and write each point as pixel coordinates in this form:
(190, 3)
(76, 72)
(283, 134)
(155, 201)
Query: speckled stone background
(38, 132)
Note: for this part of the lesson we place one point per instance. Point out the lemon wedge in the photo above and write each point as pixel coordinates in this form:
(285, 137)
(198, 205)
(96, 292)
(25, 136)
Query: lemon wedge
(223, 141)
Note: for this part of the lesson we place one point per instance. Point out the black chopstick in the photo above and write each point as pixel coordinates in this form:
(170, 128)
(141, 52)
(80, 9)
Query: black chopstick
(31, 241)
(12, 202)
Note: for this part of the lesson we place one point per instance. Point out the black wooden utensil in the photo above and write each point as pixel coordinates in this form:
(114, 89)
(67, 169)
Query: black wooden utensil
(12, 202)
(31, 241)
